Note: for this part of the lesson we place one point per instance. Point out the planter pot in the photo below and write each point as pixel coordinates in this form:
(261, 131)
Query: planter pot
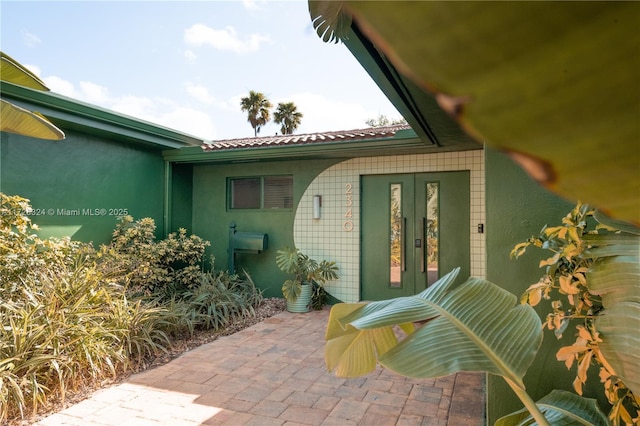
(301, 304)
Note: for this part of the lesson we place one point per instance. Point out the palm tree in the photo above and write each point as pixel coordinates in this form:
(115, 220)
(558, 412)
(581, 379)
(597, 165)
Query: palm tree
(257, 107)
(288, 116)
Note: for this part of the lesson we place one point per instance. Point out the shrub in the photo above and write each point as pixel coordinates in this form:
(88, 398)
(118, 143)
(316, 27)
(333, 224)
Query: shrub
(579, 249)
(221, 297)
(151, 265)
(68, 327)
(71, 314)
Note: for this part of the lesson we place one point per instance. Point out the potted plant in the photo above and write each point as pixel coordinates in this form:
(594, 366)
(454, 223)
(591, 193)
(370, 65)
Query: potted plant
(306, 288)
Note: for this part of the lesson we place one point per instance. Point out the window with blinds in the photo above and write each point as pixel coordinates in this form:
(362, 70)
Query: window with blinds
(267, 192)
(278, 192)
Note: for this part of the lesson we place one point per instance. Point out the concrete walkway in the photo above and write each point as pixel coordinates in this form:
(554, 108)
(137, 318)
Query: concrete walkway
(273, 373)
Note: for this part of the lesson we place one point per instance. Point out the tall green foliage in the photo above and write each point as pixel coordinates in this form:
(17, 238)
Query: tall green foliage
(66, 320)
(220, 298)
(74, 315)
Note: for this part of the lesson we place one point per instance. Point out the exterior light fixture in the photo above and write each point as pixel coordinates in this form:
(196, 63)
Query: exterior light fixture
(317, 203)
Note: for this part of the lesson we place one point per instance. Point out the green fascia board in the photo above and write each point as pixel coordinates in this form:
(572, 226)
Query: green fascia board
(77, 115)
(421, 110)
(404, 142)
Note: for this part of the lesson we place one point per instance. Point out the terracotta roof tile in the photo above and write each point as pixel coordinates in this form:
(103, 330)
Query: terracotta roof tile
(308, 138)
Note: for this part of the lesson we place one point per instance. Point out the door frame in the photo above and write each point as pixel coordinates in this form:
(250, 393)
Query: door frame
(329, 238)
(455, 233)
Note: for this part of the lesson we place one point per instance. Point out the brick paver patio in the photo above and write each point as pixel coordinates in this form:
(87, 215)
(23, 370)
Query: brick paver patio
(273, 374)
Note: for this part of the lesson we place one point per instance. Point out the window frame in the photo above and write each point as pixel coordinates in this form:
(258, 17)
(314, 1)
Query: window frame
(262, 178)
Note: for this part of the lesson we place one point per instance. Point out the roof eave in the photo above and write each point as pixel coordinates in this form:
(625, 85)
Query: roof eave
(70, 113)
(421, 110)
(405, 142)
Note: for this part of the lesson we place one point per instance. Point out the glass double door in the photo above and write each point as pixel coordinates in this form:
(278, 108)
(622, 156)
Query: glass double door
(415, 228)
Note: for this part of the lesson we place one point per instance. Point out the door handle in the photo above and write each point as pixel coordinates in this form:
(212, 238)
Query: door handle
(424, 243)
(403, 251)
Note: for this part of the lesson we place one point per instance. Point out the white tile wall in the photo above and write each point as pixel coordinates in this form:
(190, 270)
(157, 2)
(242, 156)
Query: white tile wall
(331, 237)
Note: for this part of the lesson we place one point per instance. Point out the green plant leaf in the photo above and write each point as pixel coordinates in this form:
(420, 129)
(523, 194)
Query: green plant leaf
(287, 260)
(550, 83)
(20, 121)
(617, 280)
(620, 341)
(13, 72)
(291, 290)
(606, 245)
(560, 408)
(14, 119)
(352, 352)
(460, 333)
(329, 21)
(615, 223)
(615, 277)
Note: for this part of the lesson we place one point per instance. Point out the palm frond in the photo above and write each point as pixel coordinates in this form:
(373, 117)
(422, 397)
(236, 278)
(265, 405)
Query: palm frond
(330, 20)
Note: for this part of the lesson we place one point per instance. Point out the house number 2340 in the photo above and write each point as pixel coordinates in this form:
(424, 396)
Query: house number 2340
(347, 225)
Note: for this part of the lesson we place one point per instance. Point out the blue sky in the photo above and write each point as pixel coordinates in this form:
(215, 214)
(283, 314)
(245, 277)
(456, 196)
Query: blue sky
(185, 65)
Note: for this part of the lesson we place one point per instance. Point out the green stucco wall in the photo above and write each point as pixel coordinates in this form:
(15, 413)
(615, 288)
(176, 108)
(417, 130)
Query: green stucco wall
(181, 197)
(80, 185)
(211, 219)
(518, 208)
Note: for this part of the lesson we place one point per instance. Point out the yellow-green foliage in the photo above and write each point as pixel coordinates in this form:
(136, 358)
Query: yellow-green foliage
(153, 265)
(575, 300)
(65, 320)
(68, 313)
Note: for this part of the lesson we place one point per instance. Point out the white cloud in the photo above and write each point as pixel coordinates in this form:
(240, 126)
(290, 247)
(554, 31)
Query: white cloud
(162, 112)
(190, 56)
(252, 5)
(30, 40)
(167, 114)
(191, 121)
(33, 68)
(225, 39)
(135, 106)
(94, 93)
(88, 92)
(200, 93)
(322, 114)
(61, 86)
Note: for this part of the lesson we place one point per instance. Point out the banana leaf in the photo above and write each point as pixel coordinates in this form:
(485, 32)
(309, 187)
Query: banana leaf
(17, 120)
(476, 326)
(13, 72)
(560, 408)
(27, 123)
(615, 277)
(617, 280)
(352, 354)
(554, 84)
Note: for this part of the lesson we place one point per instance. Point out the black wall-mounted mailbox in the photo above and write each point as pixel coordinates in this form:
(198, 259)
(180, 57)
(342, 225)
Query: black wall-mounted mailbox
(250, 242)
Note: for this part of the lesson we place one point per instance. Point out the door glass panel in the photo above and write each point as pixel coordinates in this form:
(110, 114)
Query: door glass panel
(395, 232)
(431, 237)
